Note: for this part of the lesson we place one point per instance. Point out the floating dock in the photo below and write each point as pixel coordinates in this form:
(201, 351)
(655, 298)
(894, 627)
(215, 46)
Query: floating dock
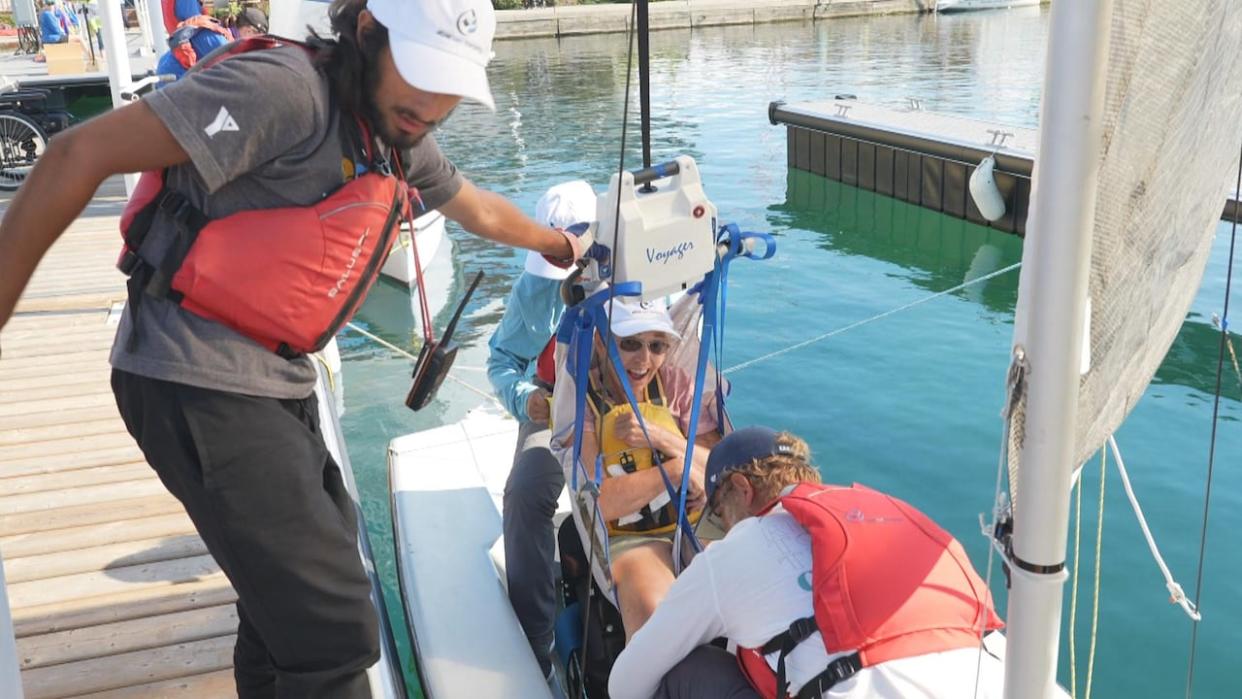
(916, 156)
(112, 592)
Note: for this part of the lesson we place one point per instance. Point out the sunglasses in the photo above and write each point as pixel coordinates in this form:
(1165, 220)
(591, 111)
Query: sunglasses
(633, 344)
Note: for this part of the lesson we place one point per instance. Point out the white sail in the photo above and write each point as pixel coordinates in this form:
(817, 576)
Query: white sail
(1138, 139)
(1169, 149)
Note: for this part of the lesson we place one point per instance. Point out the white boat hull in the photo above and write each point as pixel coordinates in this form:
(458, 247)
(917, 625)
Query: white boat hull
(384, 678)
(429, 234)
(447, 487)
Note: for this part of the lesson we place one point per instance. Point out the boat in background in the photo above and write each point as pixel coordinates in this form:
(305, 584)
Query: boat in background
(428, 233)
(965, 5)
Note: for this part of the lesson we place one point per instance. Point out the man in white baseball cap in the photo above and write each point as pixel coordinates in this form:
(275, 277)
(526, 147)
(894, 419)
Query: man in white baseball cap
(227, 423)
(441, 45)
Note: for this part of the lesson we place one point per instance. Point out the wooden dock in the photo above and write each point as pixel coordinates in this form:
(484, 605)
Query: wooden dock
(112, 592)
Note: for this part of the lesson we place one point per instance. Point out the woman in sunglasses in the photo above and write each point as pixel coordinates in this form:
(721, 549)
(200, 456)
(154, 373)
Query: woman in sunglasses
(633, 497)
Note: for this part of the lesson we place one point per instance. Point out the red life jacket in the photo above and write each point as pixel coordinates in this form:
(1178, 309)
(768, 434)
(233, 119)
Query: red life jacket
(288, 278)
(179, 38)
(886, 581)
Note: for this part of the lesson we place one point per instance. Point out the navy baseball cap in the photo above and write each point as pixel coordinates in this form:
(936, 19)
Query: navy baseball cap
(738, 449)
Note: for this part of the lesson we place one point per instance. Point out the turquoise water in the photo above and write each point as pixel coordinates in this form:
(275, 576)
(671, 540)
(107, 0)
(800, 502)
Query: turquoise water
(907, 404)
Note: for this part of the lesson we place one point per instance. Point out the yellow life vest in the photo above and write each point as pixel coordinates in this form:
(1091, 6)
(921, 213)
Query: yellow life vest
(660, 515)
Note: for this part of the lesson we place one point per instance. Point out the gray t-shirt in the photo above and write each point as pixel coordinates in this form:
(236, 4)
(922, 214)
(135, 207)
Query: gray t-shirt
(261, 134)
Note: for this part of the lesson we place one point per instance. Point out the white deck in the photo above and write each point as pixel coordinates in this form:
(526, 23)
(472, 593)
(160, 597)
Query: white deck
(447, 488)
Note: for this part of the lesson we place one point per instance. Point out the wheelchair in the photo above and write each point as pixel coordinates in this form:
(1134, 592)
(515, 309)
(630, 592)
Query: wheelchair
(26, 123)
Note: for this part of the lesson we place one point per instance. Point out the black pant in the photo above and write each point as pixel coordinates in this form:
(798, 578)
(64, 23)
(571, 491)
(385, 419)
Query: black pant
(534, 484)
(270, 503)
(707, 673)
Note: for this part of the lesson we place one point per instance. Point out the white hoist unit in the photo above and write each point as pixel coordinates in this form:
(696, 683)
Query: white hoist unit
(665, 233)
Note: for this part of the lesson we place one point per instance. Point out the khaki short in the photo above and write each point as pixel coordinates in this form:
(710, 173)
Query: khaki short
(709, 529)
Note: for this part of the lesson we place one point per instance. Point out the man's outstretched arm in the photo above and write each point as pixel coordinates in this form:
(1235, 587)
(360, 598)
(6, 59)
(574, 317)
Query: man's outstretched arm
(63, 180)
(491, 216)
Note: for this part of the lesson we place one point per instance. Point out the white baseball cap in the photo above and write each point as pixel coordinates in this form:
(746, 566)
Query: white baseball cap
(629, 318)
(561, 206)
(441, 46)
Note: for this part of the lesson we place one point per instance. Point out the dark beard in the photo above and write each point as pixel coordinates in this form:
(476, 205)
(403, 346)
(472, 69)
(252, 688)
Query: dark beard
(399, 141)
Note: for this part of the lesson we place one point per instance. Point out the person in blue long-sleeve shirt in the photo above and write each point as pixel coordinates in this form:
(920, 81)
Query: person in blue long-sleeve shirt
(532, 312)
(195, 36)
(50, 30)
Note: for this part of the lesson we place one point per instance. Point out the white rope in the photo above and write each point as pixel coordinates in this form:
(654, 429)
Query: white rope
(408, 355)
(1176, 594)
(851, 326)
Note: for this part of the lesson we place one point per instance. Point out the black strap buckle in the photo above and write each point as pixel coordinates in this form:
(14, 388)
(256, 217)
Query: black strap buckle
(837, 671)
(128, 262)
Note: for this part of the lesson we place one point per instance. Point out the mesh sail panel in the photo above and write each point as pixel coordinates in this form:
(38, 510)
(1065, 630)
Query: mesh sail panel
(1168, 158)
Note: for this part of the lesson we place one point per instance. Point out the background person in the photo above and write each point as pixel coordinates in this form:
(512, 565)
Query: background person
(532, 313)
(51, 31)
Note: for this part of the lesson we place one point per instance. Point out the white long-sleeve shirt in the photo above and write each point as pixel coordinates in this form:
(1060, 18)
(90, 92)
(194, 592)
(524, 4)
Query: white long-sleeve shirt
(749, 587)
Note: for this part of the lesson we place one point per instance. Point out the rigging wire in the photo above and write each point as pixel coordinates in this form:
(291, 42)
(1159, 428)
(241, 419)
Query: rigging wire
(1095, 597)
(1073, 616)
(819, 338)
(388, 345)
(1207, 493)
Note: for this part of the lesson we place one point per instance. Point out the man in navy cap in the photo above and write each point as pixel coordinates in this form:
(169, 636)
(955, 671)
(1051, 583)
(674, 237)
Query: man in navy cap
(825, 591)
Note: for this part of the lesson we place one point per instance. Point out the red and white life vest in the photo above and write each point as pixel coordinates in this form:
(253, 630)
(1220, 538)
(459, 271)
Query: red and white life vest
(886, 581)
(288, 278)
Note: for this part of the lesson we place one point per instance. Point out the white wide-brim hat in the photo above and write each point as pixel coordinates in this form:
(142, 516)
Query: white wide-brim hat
(561, 206)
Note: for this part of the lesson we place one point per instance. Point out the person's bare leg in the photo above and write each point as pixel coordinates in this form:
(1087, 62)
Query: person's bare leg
(643, 575)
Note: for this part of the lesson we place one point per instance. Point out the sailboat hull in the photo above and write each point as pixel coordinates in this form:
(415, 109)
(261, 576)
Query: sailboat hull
(447, 485)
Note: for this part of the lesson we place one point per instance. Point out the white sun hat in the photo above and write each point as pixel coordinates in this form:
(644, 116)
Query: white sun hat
(629, 318)
(561, 206)
(441, 46)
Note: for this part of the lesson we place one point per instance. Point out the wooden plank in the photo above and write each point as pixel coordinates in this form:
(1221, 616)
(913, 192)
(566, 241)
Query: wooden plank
(208, 591)
(217, 685)
(102, 397)
(85, 560)
(126, 636)
(34, 435)
(10, 453)
(66, 387)
(102, 534)
(128, 669)
(29, 372)
(57, 480)
(83, 302)
(93, 513)
(82, 585)
(24, 322)
(65, 416)
(97, 453)
(49, 341)
(66, 356)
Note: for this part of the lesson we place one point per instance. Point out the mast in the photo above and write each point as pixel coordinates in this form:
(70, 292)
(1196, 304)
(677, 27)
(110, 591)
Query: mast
(644, 79)
(1056, 264)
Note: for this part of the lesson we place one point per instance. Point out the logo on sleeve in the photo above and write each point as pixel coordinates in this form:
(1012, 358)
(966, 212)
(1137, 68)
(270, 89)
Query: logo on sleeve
(223, 122)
